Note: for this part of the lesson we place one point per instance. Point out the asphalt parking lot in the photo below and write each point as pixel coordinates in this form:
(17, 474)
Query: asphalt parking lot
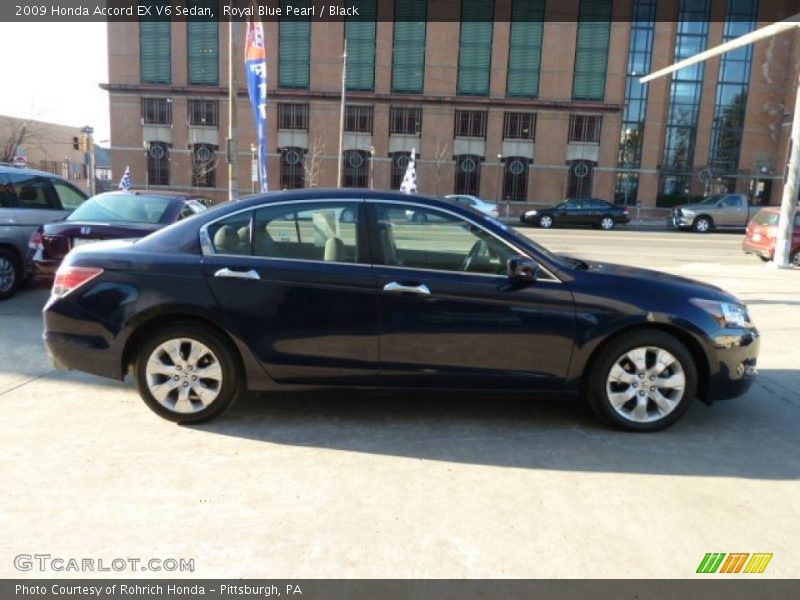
(365, 485)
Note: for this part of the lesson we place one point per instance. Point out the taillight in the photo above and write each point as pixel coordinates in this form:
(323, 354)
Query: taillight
(70, 278)
(36, 241)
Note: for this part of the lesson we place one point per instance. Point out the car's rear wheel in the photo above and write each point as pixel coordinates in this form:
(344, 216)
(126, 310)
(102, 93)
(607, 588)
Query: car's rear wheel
(607, 223)
(10, 274)
(546, 221)
(796, 259)
(187, 373)
(643, 381)
(702, 224)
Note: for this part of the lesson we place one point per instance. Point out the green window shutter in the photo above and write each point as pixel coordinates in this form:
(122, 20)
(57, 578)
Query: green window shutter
(525, 48)
(360, 35)
(203, 50)
(408, 61)
(294, 41)
(591, 53)
(155, 48)
(475, 51)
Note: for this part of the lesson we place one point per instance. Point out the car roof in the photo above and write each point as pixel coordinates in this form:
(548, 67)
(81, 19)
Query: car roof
(167, 195)
(344, 193)
(9, 168)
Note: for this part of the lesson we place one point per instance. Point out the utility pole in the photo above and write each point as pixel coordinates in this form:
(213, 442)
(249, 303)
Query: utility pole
(341, 116)
(233, 115)
(88, 131)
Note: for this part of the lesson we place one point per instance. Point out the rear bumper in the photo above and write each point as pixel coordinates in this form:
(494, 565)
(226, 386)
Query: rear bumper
(736, 364)
(45, 268)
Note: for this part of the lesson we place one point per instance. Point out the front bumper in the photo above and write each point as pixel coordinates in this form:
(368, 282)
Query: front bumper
(735, 366)
(679, 221)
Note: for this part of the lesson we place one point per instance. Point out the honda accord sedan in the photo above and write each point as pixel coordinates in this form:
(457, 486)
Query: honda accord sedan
(280, 290)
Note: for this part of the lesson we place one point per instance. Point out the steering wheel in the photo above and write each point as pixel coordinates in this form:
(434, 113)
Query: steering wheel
(479, 248)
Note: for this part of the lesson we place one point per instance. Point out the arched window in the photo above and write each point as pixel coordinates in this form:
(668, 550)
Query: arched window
(356, 168)
(158, 163)
(515, 182)
(292, 168)
(468, 174)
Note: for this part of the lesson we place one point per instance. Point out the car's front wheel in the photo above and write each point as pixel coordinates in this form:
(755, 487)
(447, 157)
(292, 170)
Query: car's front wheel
(546, 221)
(702, 225)
(10, 274)
(642, 381)
(187, 373)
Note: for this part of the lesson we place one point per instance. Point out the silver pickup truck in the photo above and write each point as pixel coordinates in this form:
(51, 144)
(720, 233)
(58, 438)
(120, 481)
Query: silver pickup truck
(724, 211)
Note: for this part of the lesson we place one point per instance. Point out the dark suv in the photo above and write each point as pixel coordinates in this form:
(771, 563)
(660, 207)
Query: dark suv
(28, 199)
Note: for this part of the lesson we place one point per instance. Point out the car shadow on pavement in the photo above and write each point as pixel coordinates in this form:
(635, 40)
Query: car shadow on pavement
(751, 437)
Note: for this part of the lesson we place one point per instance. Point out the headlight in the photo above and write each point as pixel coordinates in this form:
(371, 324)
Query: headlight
(727, 314)
(687, 213)
(530, 213)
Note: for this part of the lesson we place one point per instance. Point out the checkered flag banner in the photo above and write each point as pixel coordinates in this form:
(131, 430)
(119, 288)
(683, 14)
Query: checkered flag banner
(409, 185)
(125, 182)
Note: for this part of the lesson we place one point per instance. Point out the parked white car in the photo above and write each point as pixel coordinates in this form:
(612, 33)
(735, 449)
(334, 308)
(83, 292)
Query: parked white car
(490, 208)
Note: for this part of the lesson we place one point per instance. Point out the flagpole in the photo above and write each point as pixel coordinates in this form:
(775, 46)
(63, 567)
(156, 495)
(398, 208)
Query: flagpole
(233, 116)
(341, 116)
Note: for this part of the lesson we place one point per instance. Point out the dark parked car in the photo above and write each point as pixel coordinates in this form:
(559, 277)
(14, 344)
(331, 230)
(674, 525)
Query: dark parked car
(109, 216)
(591, 212)
(28, 198)
(278, 290)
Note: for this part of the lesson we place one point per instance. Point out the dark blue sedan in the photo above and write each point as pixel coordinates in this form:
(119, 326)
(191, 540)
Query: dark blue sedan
(340, 288)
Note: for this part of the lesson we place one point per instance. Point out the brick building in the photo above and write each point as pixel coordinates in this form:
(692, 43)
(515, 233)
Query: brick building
(527, 100)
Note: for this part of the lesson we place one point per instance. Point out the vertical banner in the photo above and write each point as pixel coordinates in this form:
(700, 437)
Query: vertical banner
(255, 63)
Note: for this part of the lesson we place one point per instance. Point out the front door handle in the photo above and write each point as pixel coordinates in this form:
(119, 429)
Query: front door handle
(226, 273)
(414, 289)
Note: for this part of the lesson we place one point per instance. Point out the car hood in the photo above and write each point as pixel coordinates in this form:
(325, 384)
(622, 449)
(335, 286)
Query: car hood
(623, 274)
(695, 207)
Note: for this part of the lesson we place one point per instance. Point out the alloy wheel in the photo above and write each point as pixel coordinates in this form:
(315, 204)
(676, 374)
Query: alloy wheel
(796, 259)
(546, 222)
(702, 225)
(607, 223)
(645, 384)
(184, 375)
(7, 274)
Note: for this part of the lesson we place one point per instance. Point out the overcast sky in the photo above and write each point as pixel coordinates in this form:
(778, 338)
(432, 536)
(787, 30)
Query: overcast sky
(51, 72)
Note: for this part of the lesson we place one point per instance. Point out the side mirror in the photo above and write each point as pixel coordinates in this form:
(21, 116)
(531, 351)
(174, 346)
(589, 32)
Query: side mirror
(522, 268)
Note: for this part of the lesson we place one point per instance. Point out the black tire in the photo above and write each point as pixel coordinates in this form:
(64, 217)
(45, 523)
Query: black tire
(796, 259)
(703, 224)
(546, 221)
(10, 273)
(232, 385)
(596, 385)
(764, 258)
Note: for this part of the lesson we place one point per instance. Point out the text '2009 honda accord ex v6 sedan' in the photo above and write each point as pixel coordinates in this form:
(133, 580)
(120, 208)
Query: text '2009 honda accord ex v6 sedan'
(340, 288)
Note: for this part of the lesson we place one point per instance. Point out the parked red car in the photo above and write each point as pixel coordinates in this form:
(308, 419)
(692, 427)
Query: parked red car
(762, 231)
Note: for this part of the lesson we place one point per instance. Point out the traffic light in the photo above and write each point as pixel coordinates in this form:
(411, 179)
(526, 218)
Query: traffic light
(76, 143)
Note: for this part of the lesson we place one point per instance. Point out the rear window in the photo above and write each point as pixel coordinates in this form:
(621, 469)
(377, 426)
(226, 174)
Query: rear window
(121, 207)
(765, 217)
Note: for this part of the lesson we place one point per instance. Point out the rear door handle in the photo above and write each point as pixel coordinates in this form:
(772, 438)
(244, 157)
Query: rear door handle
(421, 289)
(226, 273)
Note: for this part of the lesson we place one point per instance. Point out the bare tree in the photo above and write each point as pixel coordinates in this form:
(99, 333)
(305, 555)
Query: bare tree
(16, 133)
(204, 163)
(440, 154)
(313, 161)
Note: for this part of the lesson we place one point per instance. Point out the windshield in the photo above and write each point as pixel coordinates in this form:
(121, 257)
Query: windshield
(121, 207)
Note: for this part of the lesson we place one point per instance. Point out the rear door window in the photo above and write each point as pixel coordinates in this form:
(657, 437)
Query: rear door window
(6, 193)
(34, 192)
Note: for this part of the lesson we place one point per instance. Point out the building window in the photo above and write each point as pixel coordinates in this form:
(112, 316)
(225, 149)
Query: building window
(468, 174)
(158, 163)
(204, 113)
(525, 48)
(293, 116)
(732, 88)
(360, 36)
(519, 126)
(405, 120)
(640, 54)
(579, 183)
(591, 50)
(408, 55)
(204, 165)
(685, 92)
(515, 182)
(292, 168)
(294, 51)
(202, 40)
(358, 119)
(399, 164)
(470, 123)
(584, 128)
(475, 47)
(156, 111)
(356, 168)
(155, 46)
